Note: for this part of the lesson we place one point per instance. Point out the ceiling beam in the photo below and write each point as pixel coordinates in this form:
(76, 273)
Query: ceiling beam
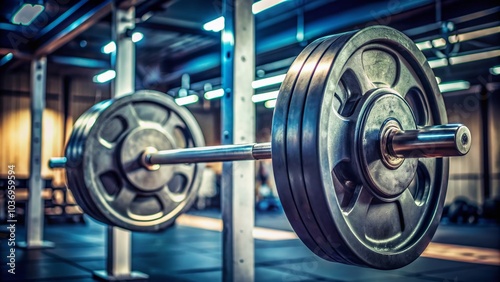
(71, 26)
(178, 29)
(80, 62)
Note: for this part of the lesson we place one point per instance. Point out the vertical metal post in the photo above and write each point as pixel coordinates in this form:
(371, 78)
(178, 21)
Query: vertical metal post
(238, 126)
(485, 131)
(118, 263)
(35, 210)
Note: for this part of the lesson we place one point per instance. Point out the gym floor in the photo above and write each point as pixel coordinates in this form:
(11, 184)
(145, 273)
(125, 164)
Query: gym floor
(191, 251)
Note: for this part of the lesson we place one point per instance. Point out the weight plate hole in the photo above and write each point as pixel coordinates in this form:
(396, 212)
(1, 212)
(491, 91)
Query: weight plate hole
(419, 186)
(111, 182)
(112, 130)
(347, 94)
(177, 184)
(418, 105)
(181, 140)
(345, 191)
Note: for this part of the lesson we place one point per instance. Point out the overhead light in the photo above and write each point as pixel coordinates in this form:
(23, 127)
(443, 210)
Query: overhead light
(270, 104)
(424, 45)
(438, 79)
(186, 100)
(212, 94)
(474, 57)
(464, 59)
(6, 59)
(260, 6)
(440, 42)
(105, 76)
(438, 63)
(474, 34)
(268, 81)
(109, 48)
(214, 25)
(462, 37)
(265, 96)
(495, 70)
(257, 7)
(27, 14)
(454, 86)
(137, 36)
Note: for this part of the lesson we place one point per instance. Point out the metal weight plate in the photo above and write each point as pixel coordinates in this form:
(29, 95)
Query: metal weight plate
(73, 161)
(293, 145)
(279, 153)
(367, 212)
(104, 167)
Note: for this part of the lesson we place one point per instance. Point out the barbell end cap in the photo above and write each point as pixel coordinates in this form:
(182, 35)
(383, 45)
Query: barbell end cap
(462, 139)
(57, 162)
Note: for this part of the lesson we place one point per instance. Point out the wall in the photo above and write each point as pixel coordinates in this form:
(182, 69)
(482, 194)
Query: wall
(467, 174)
(494, 144)
(15, 120)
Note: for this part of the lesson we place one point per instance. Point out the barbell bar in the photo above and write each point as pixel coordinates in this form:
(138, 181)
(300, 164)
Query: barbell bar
(432, 141)
(359, 144)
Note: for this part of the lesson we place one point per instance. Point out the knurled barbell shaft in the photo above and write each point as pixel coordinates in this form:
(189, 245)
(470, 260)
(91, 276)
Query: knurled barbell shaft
(427, 142)
(238, 152)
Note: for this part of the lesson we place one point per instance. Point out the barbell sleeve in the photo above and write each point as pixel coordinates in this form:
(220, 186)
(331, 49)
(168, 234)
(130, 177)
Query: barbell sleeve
(57, 162)
(436, 141)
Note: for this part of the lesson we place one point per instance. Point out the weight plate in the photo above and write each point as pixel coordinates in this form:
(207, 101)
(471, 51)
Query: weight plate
(279, 153)
(293, 146)
(73, 161)
(104, 161)
(364, 222)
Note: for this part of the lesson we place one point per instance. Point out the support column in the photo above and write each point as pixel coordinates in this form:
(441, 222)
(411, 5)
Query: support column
(238, 126)
(119, 241)
(35, 209)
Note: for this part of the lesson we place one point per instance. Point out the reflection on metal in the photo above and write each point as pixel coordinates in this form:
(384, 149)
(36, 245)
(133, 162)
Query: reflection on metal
(211, 154)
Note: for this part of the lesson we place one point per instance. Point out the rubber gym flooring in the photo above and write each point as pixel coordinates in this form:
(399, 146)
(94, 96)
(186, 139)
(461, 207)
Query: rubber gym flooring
(187, 252)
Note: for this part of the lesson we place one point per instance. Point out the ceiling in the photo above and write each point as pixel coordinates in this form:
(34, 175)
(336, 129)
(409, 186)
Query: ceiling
(72, 34)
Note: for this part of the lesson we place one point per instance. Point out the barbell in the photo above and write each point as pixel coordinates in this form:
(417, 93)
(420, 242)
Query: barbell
(359, 140)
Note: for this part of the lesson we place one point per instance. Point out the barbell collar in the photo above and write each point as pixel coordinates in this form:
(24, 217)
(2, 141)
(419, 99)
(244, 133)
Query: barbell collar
(436, 141)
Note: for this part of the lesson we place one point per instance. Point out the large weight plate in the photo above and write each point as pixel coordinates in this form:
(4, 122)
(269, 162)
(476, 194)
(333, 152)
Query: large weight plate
(280, 162)
(104, 168)
(331, 122)
(293, 145)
